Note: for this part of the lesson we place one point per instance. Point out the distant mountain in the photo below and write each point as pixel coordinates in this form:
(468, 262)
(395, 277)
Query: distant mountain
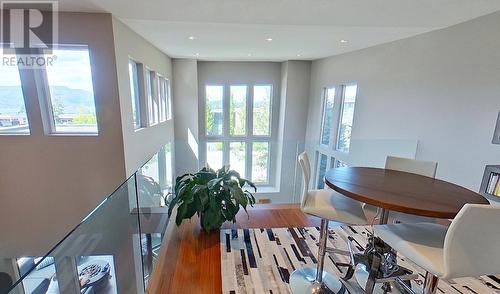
(75, 100)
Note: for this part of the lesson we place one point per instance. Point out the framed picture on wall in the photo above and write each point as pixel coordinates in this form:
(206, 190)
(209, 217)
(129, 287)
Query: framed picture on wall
(496, 136)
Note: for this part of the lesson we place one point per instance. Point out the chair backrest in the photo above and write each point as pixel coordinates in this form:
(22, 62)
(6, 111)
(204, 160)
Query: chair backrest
(419, 167)
(306, 176)
(472, 243)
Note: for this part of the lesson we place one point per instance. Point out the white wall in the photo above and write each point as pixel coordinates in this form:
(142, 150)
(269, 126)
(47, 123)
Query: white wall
(185, 89)
(139, 145)
(49, 183)
(441, 88)
(293, 116)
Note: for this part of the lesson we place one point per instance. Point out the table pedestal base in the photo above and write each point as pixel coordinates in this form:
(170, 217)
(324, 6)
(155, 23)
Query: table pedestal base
(302, 281)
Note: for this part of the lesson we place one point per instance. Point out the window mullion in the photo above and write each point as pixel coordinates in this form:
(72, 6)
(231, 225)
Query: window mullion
(337, 110)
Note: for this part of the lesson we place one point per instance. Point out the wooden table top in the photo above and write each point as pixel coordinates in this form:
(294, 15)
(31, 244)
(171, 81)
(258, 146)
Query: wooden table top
(401, 191)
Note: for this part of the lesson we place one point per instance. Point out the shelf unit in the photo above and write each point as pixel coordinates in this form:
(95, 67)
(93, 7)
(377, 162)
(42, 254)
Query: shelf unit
(491, 177)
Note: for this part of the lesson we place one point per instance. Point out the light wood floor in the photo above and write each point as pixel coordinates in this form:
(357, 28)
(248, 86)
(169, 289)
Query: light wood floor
(191, 264)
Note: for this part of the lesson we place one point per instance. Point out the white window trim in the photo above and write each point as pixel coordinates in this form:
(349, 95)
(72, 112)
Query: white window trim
(334, 155)
(45, 99)
(152, 85)
(23, 75)
(226, 138)
(142, 107)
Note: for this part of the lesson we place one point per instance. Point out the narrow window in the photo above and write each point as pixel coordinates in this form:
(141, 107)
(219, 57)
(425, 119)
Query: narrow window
(162, 90)
(261, 110)
(13, 118)
(237, 157)
(322, 167)
(260, 162)
(152, 93)
(168, 93)
(327, 122)
(347, 117)
(237, 110)
(214, 154)
(135, 93)
(214, 116)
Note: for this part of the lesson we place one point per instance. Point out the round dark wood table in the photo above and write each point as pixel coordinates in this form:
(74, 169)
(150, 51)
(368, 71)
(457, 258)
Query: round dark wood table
(400, 191)
(397, 191)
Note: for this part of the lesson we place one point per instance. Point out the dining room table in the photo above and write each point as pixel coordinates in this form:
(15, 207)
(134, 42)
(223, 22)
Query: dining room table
(403, 192)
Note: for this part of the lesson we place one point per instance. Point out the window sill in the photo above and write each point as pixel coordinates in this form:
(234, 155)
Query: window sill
(73, 134)
(14, 134)
(267, 189)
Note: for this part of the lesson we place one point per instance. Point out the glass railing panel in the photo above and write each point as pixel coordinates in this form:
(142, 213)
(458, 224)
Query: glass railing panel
(154, 187)
(100, 255)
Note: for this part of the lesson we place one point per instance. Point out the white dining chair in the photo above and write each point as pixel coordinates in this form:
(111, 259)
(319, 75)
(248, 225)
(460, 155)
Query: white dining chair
(419, 167)
(468, 248)
(329, 206)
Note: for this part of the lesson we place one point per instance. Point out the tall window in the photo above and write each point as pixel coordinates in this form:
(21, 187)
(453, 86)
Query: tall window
(346, 118)
(337, 117)
(71, 94)
(327, 123)
(262, 110)
(135, 93)
(13, 118)
(238, 129)
(336, 126)
(214, 110)
(237, 110)
(165, 102)
(152, 94)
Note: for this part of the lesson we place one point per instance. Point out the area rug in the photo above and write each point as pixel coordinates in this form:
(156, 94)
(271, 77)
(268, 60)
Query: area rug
(262, 260)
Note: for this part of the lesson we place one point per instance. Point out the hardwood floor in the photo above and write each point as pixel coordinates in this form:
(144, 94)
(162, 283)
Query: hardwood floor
(192, 265)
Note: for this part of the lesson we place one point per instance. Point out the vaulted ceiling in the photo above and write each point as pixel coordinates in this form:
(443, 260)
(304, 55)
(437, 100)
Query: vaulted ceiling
(299, 29)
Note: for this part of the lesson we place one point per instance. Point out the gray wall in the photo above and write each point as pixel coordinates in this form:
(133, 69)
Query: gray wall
(49, 183)
(441, 88)
(139, 145)
(185, 89)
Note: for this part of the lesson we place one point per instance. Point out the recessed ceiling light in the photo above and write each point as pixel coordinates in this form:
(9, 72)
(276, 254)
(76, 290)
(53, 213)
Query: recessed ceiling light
(192, 37)
(299, 55)
(343, 41)
(249, 54)
(269, 39)
(197, 54)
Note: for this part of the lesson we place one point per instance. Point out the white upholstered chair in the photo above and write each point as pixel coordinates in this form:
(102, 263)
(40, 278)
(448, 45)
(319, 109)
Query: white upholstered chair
(468, 248)
(419, 167)
(327, 205)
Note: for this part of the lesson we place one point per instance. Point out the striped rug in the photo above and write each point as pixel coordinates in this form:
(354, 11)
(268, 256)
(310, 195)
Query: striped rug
(262, 260)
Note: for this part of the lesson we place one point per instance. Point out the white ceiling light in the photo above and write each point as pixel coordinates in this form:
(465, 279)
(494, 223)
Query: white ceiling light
(192, 37)
(269, 39)
(343, 41)
(249, 54)
(197, 54)
(299, 55)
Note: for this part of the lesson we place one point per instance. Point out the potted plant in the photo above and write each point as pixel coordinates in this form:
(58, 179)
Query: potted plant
(215, 196)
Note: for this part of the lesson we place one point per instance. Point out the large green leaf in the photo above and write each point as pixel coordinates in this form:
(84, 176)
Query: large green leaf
(216, 196)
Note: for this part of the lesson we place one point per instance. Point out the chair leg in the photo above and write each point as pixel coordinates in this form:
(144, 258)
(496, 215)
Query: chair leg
(430, 284)
(323, 237)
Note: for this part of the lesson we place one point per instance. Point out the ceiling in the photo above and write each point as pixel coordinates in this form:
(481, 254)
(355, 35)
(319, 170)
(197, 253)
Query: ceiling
(299, 29)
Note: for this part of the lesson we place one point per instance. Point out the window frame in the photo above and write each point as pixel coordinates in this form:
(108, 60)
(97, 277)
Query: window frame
(335, 157)
(45, 98)
(141, 118)
(248, 138)
(152, 89)
(341, 115)
(22, 76)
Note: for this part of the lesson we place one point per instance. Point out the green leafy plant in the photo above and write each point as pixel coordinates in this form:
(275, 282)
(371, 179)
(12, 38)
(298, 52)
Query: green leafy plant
(215, 196)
